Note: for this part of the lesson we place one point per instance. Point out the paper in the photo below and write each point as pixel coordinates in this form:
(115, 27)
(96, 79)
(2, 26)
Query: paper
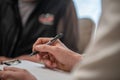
(40, 72)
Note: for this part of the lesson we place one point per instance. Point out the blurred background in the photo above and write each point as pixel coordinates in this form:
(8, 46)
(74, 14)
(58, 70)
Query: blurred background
(88, 9)
(88, 12)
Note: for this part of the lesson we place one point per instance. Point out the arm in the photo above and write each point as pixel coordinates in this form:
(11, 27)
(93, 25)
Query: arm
(101, 61)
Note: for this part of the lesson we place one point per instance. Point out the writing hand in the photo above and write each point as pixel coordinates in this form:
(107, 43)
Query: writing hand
(56, 55)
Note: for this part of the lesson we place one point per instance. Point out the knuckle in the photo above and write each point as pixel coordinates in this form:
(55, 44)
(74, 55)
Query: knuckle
(44, 47)
(38, 39)
(56, 48)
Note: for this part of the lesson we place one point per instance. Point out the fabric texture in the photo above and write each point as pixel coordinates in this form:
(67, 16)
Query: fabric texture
(101, 59)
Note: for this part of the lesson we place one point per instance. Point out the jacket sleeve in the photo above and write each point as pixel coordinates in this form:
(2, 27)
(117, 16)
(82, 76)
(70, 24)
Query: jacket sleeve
(68, 25)
(101, 61)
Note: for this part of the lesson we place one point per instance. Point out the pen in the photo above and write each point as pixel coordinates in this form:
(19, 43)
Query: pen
(58, 36)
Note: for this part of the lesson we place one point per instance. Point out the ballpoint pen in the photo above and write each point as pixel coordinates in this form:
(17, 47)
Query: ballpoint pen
(58, 36)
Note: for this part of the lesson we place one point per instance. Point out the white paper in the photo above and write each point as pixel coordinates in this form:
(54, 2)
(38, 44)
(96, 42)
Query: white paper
(40, 72)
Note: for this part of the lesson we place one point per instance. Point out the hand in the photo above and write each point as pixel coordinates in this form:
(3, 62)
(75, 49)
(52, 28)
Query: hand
(56, 55)
(11, 73)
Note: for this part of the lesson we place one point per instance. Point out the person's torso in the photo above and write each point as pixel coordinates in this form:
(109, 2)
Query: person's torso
(17, 39)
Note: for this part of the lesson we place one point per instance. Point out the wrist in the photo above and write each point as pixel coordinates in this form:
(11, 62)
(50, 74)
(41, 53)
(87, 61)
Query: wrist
(72, 60)
(76, 58)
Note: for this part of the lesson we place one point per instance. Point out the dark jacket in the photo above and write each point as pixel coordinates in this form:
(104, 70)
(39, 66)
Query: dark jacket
(16, 39)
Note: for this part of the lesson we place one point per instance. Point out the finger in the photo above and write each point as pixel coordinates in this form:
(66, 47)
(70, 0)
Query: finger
(1, 74)
(48, 63)
(54, 65)
(46, 56)
(11, 69)
(52, 58)
(7, 75)
(49, 57)
(41, 55)
(41, 41)
(44, 48)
